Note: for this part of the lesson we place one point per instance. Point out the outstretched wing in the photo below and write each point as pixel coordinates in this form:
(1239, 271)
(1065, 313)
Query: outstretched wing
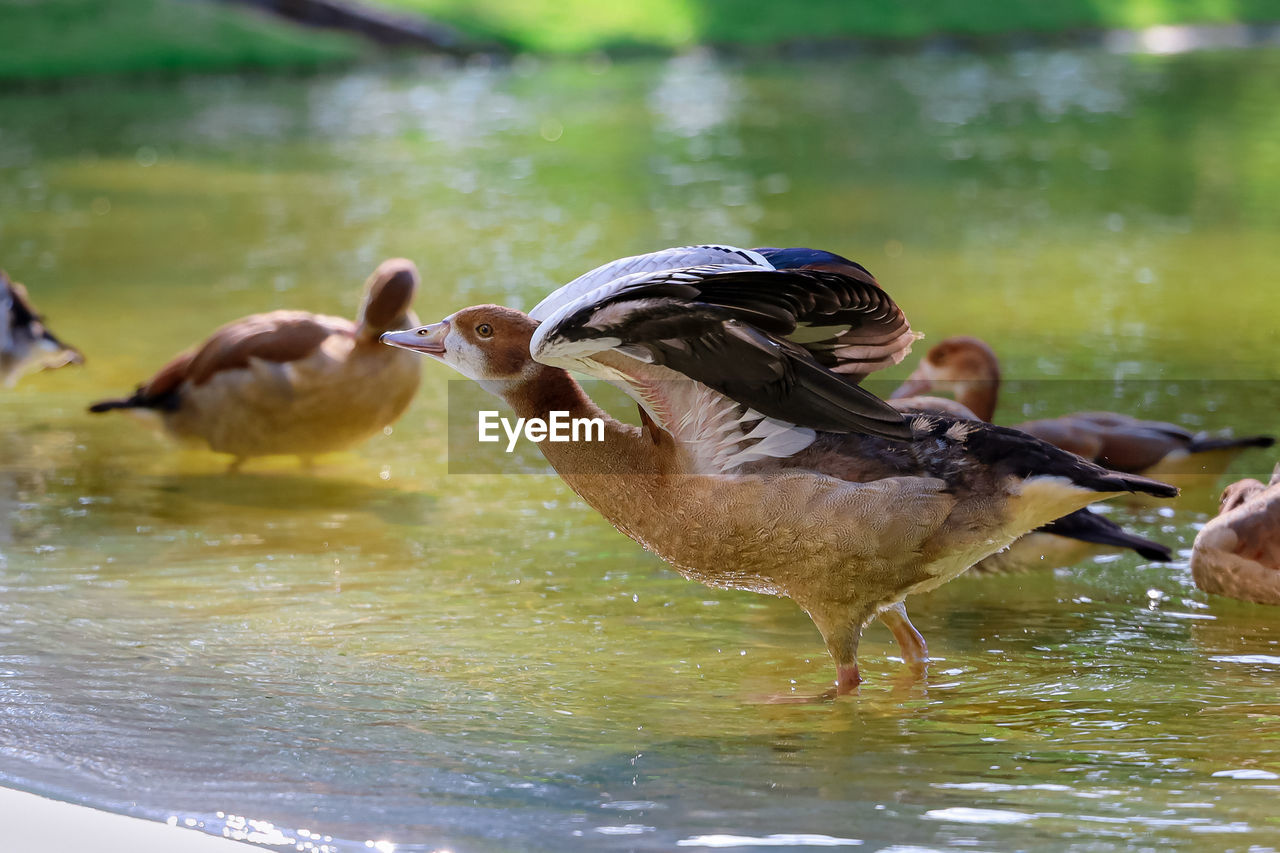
(861, 348)
(667, 259)
(766, 339)
(853, 343)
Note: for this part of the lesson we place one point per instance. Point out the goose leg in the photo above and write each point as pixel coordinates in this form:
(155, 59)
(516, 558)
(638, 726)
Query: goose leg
(847, 678)
(915, 651)
(841, 630)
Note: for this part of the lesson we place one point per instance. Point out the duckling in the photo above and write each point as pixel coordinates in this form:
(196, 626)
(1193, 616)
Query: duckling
(290, 382)
(760, 464)
(968, 368)
(1237, 554)
(26, 344)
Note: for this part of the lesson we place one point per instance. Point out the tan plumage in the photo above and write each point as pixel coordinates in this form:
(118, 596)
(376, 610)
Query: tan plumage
(968, 368)
(26, 343)
(1067, 541)
(291, 382)
(1237, 554)
(847, 526)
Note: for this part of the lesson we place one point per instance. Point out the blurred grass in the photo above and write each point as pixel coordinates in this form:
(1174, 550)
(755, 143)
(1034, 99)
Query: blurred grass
(61, 38)
(42, 39)
(584, 25)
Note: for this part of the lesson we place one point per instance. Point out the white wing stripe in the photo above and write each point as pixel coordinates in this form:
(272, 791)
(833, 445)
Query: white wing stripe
(546, 346)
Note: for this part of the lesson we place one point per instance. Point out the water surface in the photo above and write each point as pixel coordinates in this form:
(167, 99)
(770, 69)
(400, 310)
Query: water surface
(383, 651)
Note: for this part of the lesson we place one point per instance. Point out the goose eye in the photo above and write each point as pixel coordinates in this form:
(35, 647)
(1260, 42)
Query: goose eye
(484, 330)
(422, 332)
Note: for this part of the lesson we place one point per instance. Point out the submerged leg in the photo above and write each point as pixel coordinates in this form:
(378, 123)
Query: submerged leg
(841, 629)
(914, 650)
(847, 678)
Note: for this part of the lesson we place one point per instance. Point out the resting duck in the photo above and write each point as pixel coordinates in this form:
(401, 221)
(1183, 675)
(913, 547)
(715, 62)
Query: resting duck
(759, 464)
(968, 368)
(1062, 542)
(1237, 554)
(26, 344)
(290, 382)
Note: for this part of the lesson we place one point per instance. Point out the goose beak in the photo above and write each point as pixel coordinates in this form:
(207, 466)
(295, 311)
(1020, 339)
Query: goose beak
(424, 339)
(916, 384)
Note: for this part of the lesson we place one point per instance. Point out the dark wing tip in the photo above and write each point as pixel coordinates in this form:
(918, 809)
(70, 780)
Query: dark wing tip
(1202, 444)
(1153, 551)
(1087, 526)
(1115, 480)
(109, 405)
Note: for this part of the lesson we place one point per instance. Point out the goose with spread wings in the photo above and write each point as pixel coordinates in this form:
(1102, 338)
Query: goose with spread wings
(760, 463)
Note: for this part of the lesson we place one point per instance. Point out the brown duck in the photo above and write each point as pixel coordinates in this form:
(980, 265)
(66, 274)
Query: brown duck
(760, 464)
(1237, 554)
(290, 382)
(968, 368)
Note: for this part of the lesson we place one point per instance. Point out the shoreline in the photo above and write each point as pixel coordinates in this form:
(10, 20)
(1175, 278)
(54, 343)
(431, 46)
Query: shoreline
(33, 822)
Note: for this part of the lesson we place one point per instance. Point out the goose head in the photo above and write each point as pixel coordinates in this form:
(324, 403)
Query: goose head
(1239, 494)
(955, 365)
(486, 343)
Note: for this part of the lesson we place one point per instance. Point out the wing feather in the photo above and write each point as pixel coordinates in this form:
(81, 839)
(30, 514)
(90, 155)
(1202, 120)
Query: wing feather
(727, 327)
(883, 339)
(666, 259)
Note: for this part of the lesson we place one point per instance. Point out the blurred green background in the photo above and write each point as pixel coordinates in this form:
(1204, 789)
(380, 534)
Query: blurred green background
(42, 39)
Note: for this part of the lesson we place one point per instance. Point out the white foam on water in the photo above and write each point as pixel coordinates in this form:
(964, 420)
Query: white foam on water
(968, 815)
(1246, 773)
(1272, 659)
(780, 840)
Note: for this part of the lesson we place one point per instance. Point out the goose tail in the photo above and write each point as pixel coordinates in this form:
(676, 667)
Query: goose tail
(1090, 527)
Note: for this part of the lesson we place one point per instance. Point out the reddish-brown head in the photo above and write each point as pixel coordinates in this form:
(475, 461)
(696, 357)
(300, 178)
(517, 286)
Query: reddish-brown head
(1240, 493)
(963, 366)
(484, 342)
(961, 359)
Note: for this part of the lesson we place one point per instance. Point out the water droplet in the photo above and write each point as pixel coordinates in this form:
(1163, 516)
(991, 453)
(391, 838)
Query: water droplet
(551, 129)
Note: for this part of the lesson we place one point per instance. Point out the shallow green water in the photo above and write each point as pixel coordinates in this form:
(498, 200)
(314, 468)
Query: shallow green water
(383, 650)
